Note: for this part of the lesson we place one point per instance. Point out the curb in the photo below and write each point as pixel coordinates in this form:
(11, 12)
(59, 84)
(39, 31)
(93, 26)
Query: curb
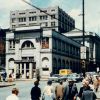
(6, 85)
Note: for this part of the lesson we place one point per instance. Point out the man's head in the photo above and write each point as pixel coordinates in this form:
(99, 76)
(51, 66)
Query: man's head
(85, 83)
(71, 82)
(61, 82)
(36, 83)
(49, 82)
(15, 91)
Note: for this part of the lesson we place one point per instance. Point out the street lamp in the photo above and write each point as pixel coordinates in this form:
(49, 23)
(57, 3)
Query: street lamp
(83, 19)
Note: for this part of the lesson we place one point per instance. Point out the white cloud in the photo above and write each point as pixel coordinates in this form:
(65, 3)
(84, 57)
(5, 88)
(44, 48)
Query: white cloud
(77, 15)
(7, 6)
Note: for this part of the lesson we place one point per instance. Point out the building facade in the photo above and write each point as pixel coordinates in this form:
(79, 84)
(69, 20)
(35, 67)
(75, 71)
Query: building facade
(2, 49)
(92, 41)
(55, 19)
(29, 49)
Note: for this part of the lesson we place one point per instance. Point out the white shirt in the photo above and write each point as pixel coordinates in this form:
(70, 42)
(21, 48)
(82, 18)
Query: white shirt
(48, 90)
(12, 97)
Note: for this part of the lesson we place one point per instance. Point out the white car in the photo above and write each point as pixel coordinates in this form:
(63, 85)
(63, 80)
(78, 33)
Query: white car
(54, 77)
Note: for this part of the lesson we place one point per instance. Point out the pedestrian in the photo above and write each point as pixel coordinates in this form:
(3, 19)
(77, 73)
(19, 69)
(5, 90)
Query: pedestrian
(59, 91)
(48, 92)
(14, 95)
(35, 91)
(88, 94)
(85, 84)
(96, 83)
(4, 76)
(70, 91)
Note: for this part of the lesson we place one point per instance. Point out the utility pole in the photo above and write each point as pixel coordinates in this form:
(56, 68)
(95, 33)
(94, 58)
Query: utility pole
(83, 23)
(83, 19)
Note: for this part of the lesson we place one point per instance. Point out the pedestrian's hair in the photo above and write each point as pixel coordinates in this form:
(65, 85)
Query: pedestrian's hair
(15, 91)
(36, 83)
(49, 82)
(61, 82)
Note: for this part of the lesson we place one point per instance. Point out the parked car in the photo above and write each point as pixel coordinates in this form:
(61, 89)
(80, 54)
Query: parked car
(63, 78)
(75, 77)
(55, 77)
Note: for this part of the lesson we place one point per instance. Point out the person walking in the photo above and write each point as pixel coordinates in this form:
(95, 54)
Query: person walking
(48, 92)
(85, 84)
(35, 91)
(96, 83)
(14, 95)
(70, 91)
(88, 94)
(59, 91)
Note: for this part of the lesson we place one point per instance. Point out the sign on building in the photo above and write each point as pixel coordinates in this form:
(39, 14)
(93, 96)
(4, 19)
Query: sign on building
(83, 52)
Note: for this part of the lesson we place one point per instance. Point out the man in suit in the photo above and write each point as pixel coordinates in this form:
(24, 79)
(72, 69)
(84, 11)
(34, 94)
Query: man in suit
(70, 91)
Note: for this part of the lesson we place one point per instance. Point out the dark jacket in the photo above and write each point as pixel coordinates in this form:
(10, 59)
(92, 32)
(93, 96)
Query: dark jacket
(88, 95)
(81, 91)
(73, 92)
(35, 93)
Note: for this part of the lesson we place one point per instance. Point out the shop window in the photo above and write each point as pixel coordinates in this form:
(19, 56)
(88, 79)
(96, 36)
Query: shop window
(45, 42)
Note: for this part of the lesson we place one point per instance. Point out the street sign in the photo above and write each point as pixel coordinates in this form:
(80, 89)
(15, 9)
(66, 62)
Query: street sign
(83, 52)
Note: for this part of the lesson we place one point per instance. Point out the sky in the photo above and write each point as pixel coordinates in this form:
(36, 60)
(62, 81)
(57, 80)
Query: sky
(72, 7)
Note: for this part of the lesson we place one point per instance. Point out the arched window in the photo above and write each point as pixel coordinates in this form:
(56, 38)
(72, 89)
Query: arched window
(63, 63)
(54, 66)
(45, 58)
(27, 44)
(45, 64)
(59, 64)
(11, 63)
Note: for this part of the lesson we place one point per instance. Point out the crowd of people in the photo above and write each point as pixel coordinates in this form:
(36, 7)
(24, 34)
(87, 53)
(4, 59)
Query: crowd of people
(69, 91)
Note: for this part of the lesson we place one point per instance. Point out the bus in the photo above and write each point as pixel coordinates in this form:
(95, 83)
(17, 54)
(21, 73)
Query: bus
(65, 71)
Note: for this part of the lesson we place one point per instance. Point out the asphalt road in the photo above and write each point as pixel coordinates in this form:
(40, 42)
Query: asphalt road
(25, 88)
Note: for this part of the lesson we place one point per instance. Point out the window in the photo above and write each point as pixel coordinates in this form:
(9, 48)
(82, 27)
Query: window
(13, 20)
(22, 19)
(45, 42)
(33, 18)
(21, 24)
(13, 13)
(13, 26)
(52, 16)
(27, 44)
(32, 12)
(44, 24)
(44, 17)
(31, 58)
(52, 24)
(43, 10)
(11, 44)
(59, 45)
(21, 13)
(53, 10)
(54, 43)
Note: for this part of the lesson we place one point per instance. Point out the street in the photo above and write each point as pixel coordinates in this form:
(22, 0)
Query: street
(24, 89)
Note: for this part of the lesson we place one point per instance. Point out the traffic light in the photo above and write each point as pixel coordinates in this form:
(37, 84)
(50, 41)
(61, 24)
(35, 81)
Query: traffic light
(83, 67)
(83, 64)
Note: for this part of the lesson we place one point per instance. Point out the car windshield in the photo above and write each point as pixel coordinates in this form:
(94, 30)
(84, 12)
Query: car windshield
(56, 75)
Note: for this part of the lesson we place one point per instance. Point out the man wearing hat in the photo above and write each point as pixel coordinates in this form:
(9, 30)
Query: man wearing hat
(35, 91)
(85, 84)
(70, 91)
(86, 93)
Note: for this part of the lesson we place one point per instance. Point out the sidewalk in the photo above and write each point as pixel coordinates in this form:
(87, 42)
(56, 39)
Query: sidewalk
(6, 84)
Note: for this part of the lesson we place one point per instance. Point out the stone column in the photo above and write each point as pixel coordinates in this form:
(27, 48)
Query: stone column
(15, 69)
(25, 70)
(20, 68)
(30, 70)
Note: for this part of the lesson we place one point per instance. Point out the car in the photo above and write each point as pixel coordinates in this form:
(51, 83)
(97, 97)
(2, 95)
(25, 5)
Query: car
(75, 76)
(55, 77)
(63, 78)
